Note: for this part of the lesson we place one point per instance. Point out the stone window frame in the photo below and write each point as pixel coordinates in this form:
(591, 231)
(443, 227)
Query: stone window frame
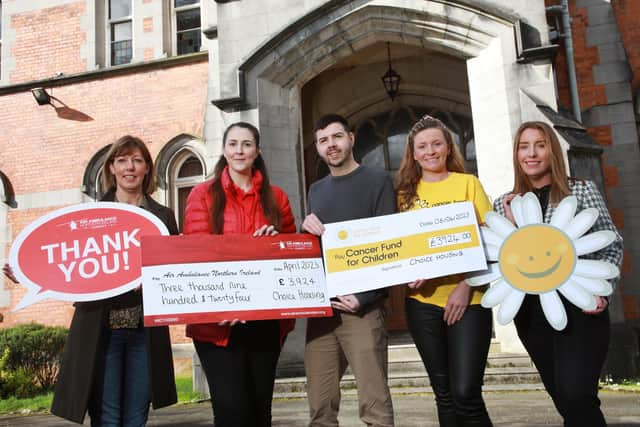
(168, 165)
(174, 11)
(91, 181)
(7, 195)
(109, 23)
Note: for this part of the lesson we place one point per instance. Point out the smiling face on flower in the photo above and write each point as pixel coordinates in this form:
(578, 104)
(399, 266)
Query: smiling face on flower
(542, 259)
(537, 258)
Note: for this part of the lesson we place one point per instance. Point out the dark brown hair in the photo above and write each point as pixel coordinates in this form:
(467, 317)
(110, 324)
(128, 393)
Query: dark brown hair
(559, 179)
(328, 119)
(267, 199)
(123, 146)
(410, 172)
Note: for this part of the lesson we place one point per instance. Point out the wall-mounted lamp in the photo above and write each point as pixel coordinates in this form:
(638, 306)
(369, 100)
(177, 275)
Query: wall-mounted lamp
(41, 96)
(391, 79)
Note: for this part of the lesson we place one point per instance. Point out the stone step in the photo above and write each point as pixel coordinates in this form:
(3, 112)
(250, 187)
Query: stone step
(508, 360)
(407, 372)
(408, 360)
(407, 350)
(405, 358)
(488, 388)
(411, 379)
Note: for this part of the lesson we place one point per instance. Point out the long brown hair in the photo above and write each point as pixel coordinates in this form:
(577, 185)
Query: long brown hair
(267, 199)
(410, 172)
(123, 146)
(559, 180)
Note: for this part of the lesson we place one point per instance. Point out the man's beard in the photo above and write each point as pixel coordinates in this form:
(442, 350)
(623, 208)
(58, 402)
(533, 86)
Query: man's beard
(339, 162)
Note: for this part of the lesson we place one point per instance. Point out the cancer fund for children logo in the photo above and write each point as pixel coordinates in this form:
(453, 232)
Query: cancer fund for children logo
(83, 252)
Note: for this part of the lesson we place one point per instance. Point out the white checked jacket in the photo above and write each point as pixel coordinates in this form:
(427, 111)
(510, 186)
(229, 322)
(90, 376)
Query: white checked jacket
(588, 197)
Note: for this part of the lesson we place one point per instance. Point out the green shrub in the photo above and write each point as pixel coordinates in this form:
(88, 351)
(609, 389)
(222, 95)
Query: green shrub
(15, 383)
(36, 350)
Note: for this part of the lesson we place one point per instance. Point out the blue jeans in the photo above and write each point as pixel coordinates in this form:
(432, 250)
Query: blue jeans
(121, 391)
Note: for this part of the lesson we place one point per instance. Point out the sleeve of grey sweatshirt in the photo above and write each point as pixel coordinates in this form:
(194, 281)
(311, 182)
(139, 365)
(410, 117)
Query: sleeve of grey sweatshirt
(385, 205)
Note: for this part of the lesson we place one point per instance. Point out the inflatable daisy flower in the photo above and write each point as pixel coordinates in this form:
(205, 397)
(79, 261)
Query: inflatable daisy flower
(542, 259)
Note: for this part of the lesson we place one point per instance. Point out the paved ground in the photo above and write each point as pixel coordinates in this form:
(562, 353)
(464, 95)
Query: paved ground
(515, 409)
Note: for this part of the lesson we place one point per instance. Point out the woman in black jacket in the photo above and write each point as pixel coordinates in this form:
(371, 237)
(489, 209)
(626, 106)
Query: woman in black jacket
(569, 360)
(112, 365)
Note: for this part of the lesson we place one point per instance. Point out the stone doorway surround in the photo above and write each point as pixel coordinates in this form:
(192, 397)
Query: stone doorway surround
(261, 75)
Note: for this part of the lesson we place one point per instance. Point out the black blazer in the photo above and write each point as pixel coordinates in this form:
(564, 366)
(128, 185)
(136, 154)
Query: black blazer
(83, 355)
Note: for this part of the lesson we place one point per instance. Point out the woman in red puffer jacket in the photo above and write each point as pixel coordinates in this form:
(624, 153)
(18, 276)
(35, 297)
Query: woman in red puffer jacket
(238, 358)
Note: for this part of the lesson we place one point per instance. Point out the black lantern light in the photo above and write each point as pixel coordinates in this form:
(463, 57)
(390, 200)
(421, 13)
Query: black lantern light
(391, 79)
(41, 96)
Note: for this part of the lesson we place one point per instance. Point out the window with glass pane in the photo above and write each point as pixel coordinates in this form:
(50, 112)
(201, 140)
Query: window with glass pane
(188, 28)
(186, 171)
(180, 3)
(121, 43)
(119, 9)
(121, 37)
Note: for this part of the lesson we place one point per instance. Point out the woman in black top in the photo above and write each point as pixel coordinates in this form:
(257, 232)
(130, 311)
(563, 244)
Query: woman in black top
(570, 360)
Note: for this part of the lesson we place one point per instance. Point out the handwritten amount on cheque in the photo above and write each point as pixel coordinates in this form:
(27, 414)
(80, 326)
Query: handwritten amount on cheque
(228, 287)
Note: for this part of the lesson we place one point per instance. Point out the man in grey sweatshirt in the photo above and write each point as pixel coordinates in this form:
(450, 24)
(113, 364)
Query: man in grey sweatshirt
(356, 335)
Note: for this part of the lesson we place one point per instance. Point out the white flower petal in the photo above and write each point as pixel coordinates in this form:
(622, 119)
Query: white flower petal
(517, 210)
(531, 209)
(599, 287)
(553, 310)
(510, 306)
(581, 223)
(564, 212)
(479, 278)
(499, 224)
(595, 269)
(491, 252)
(578, 296)
(594, 241)
(488, 236)
(496, 294)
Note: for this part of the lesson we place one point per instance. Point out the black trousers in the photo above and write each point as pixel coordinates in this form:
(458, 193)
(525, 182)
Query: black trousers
(569, 361)
(241, 375)
(455, 358)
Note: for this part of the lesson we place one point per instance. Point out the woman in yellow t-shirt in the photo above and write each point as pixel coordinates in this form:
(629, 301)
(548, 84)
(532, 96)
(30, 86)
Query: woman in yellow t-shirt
(451, 330)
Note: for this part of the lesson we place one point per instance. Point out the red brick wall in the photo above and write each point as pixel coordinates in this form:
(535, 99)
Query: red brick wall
(47, 41)
(627, 13)
(585, 58)
(42, 151)
(155, 106)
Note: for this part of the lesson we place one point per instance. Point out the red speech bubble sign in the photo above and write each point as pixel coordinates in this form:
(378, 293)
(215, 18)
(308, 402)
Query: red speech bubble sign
(83, 252)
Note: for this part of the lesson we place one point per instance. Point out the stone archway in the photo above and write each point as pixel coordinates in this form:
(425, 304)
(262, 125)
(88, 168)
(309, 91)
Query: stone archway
(277, 71)
(481, 35)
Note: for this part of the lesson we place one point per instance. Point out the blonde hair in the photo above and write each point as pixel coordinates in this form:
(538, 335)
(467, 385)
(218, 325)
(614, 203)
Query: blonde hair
(410, 171)
(559, 179)
(123, 146)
